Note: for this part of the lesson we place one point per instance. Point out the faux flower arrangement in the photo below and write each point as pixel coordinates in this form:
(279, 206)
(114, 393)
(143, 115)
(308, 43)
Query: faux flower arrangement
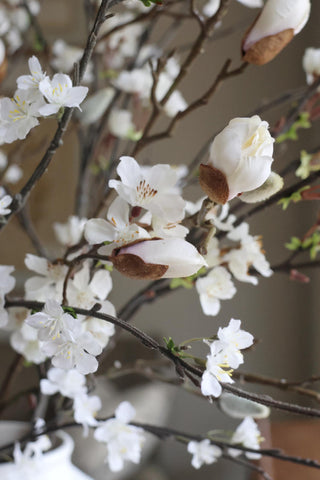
(138, 221)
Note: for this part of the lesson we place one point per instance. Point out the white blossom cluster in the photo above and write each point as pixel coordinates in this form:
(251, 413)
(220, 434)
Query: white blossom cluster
(14, 21)
(36, 96)
(225, 355)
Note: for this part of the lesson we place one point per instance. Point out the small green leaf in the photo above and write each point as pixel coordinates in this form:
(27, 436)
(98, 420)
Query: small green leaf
(291, 134)
(295, 198)
(187, 282)
(294, 244)
(71, 311)
(148, 3)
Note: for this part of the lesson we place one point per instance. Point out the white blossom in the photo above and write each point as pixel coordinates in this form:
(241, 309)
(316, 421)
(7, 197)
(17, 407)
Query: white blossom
(240, 158)
(85, 410)
(65, 56)
(7, 283)
(5, 202)
(94, 106)
(277, 17)
(233, 339)
(123, 441)
(248, 435)
(167, 258)
(121, 124)
(70, 232)
(311, 63)
(216, 371)
(49, 282)
(59, 92)
(212, 288)
(203, 453)
(51, 322)
(25, 340)
(31, 82)
(74, 349)
(154, 190)
(117, 229)
(18, 115)
(69, 383)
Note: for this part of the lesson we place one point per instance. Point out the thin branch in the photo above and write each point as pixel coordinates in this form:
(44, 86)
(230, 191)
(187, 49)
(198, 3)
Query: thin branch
(36, 26)
(180, 364)
(21, 198)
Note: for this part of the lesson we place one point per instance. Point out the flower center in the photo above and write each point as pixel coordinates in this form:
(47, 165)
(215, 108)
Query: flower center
(145, 192)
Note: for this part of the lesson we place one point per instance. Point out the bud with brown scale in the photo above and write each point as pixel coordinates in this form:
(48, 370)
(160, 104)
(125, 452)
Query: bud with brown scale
(157, 258)
(273, 29)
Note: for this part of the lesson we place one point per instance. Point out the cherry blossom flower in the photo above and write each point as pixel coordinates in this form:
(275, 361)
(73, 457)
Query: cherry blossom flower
(154, 190)
(18, 115)
(49, 282)
(74, 348)
(101, 330)
(25, 340)
(94, 106)
(121, 125)
(59, 92)
(85, 410)
(70, 233)
(248, 435)
(216, 371)
(31, 82)
(233, 339)
(68, 383)
(203, 453)
(249, 254)
(118, 230)
(51, 322)
(5, 201)
(216, 286)
(7, 283)
(311, 63)
(123, 441)
(65, 56)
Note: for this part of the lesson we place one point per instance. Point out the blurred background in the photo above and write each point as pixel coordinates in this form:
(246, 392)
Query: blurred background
(282, 314)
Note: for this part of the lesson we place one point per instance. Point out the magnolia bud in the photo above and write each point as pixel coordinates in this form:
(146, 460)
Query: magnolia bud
(240, 159)
(273, 29)
(157, 258)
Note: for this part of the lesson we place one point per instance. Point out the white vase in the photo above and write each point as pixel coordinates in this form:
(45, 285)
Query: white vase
(52, 465)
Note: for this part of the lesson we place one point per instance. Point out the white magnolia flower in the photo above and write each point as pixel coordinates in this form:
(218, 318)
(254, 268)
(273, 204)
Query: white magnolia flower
(154, 190)
(216, 286)
(203, 453)
(233, 339)
(49, 283)
(118, 230)
(70, 233)
(74, 349)
(123, 441)
(51, 322)
(311, 63)
(70, 383)
(215, 372)
(59, 92)
(276, 25)
(240, 159)
(249, 254)
(167, 258)
(248, 435)
(7, 283)
(18, 115)
(85, 410)
(31, 82)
